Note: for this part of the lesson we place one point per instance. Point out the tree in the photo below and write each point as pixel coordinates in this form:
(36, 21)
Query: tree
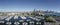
(50, 19)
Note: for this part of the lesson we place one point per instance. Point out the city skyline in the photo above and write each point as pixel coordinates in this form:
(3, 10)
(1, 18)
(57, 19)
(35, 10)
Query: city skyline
(29, 5)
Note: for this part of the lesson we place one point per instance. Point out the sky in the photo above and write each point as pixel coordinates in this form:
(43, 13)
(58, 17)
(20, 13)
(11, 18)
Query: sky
(29, 5)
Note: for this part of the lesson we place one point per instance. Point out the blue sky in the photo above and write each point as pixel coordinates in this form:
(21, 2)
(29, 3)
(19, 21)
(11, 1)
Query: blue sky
(29, 5)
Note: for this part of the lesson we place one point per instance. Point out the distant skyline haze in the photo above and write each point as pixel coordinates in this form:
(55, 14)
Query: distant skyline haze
(29, 5)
